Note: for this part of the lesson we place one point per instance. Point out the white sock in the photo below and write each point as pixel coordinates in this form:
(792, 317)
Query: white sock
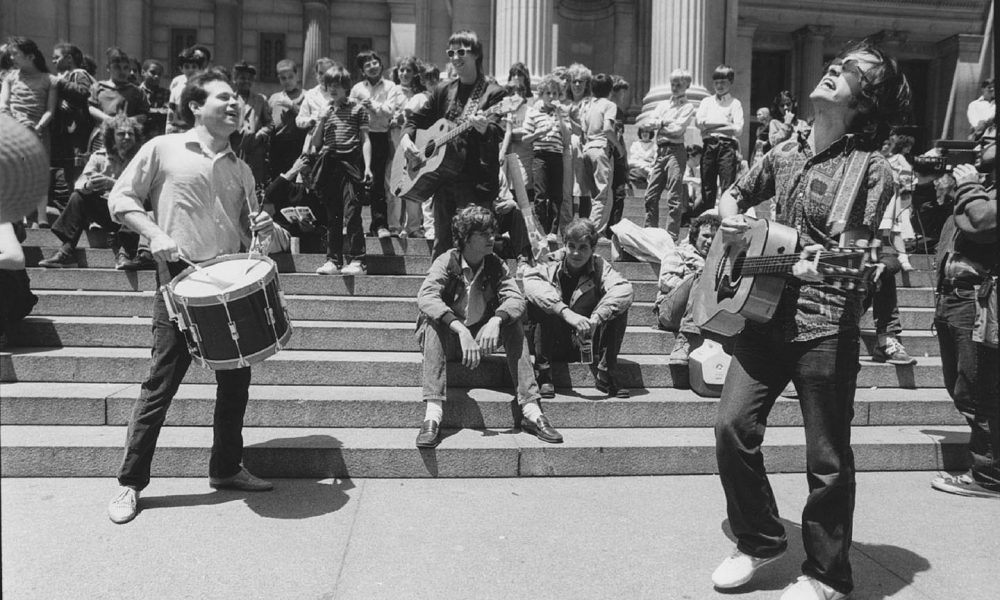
(435, 410)
(531, 411)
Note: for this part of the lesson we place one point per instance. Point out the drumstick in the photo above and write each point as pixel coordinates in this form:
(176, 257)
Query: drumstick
(202, 271)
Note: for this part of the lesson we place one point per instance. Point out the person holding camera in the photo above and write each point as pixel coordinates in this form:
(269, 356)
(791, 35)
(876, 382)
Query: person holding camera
(968, 263)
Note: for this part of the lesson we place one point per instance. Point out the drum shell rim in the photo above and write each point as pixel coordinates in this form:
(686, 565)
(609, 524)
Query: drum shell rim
(235, 294)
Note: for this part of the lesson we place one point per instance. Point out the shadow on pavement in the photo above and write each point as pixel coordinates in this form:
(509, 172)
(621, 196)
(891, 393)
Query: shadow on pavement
(898, 567)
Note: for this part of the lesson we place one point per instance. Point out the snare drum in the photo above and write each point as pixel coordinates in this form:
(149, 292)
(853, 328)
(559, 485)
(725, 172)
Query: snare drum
(231, 310)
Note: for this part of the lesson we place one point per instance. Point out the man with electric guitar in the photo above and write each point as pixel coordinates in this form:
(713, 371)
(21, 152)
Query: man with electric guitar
(831, 191)
(470, 169)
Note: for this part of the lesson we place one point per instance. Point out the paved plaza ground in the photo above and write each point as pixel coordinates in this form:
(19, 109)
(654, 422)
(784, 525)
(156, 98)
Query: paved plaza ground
(402, 539)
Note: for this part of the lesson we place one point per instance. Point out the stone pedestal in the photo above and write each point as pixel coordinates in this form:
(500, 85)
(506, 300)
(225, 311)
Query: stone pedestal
(522, 29)
(316, 17)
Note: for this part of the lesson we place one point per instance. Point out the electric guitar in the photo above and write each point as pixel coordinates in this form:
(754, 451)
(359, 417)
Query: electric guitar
(415, 176)
(745, 279)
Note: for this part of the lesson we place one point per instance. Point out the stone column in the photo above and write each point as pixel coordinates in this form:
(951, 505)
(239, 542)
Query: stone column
(809, 41)
(104, 20)
(641, 47)
(741, 62)
(316, 16)
(522, 32)
(131, 20)
(228, 33)
(687, 34)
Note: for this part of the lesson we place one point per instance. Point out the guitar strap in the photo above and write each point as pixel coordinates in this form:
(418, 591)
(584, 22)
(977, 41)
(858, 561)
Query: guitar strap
(847, 191)
(458, 113)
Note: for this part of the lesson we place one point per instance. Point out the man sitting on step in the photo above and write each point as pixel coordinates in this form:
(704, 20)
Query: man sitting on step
(470, 304)
(89, 201)
(580, 303)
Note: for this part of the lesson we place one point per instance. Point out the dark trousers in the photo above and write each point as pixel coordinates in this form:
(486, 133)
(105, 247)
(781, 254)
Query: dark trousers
(513, 224)
(83, 209)
(547, 168)
(619, 190)
(448, 200)
(825, 375)
(170, 363)
(554, 341)
(381, 153)
(970, 374)
(338, 181)
(884, 302)
(718, 170)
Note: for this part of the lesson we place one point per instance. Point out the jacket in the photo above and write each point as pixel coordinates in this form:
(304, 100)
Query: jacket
(443, 288)
(600, 291)
(969, 248)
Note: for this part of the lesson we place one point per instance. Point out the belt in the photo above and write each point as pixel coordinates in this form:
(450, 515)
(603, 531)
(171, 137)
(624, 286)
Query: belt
(667, 144)
(947, 286)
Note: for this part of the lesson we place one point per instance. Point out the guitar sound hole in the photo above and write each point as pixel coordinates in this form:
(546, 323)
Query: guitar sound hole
(429, 150)
(781, 250)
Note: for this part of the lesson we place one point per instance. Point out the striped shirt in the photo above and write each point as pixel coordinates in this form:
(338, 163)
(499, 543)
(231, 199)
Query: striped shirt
(342, 127)
(539, 118)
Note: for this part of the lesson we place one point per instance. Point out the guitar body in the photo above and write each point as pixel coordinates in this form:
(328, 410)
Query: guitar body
(416, 180)
(725, 297)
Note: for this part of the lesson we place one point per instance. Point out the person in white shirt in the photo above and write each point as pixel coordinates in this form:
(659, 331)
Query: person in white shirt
(670, 120)
(597, 118)
(381, 97)
(982, 113)
(640, 158)
(315, 100)
(720, 119)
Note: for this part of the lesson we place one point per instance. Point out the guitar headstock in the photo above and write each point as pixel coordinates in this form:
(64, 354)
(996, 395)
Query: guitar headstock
(848, 268)
(507, 105)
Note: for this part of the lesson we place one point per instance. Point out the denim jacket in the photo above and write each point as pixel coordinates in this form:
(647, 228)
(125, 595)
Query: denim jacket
(443, 289)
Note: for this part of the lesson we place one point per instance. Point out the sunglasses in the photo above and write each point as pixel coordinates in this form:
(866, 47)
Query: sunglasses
(460, 53)
(848, 67)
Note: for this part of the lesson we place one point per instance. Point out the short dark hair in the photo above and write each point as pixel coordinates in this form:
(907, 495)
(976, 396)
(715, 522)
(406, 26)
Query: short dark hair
(712, 219)
(986, 83)
(194, 90)
(519, 69)
(115, 55)
(198, 55)
(73, 51)
(150, 62)
(467, 37)
(898, 143)
(582, 229)
(29, 48)
(601, 85)
(724, 72)
(469, 220)
(884, 99)
(337, 75)
(365, 56)
(783, 97)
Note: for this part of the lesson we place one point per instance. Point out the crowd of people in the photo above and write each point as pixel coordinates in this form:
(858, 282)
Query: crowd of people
(842, 178)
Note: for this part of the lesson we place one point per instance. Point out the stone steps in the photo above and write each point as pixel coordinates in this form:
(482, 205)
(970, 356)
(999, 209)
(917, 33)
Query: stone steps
(400, 407)
(316, 452)
(131, 365)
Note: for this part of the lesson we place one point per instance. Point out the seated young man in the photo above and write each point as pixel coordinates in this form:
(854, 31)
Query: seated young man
(678, 274)
(574, 300)
(470, 305)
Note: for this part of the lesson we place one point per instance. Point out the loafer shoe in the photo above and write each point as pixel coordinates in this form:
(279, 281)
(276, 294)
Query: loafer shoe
(542, 429)
(59, 260)
(429, 436)
(738, 569)
(243, 480)
(807, 588)
(547, 390)
(124, 506)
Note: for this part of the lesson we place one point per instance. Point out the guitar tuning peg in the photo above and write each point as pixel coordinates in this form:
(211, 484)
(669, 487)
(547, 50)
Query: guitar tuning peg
(850, 285)
(838, 283)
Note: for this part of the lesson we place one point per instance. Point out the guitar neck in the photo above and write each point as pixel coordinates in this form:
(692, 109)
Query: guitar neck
(766, 265)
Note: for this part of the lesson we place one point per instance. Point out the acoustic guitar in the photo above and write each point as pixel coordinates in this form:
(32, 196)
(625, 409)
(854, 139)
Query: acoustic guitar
(415, 176)
(745, 279)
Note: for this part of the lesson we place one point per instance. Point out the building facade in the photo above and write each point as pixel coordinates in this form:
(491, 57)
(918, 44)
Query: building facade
(772, 44)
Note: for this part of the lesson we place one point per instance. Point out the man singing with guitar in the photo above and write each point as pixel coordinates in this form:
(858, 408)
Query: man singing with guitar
(832, 189)
(476, 178)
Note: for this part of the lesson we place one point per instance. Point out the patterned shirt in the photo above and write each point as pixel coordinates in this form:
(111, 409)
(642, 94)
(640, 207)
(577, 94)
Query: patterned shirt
(538, 118)
(804, 186)
(342, 127)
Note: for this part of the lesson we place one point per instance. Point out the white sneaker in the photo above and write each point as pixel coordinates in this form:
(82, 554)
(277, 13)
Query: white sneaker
(355, 268)
(807, 588)
(124, 506)
(384, 233)
(328, 268)
(738, 569)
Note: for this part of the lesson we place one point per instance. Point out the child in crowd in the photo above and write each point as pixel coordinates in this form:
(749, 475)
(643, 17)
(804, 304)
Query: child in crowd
(343, 164)
(288, 138)
(640, 158)
(546, 129)
(600, 139)
(671, 120)
(117, 94)
(720, 119)
(157, 97)
(193, 59)
(470, 305)
(579, 303)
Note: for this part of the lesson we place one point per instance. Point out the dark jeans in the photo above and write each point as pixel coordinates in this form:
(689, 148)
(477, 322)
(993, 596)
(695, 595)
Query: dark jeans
(170, 363)
(970, 374)
(718, 170)
(548, 177)
(554, 341)
(619, 190)
(667, 174)
(381, 152)
(513, 224)
(337, 183)
(83, 209)
(825, 374)
(885, 305)
(448, 200)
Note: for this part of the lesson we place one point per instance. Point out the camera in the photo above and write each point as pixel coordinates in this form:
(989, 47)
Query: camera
(949, 153)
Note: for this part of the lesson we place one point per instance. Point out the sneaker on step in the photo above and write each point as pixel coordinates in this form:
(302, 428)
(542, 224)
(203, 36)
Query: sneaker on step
(738, 569)
(328, 268)
(124, 506)
(893, 353)
(682, 348)
(384, 233)
(59, 260)
(807, 588)
(355, 268)
(963, 485)
(904, 262)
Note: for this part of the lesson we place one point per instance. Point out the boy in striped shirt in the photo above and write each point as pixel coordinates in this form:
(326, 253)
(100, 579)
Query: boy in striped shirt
(546, 130)
(344, 156)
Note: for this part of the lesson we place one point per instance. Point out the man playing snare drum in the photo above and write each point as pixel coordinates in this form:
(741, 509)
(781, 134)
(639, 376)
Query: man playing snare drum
(198, 189)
